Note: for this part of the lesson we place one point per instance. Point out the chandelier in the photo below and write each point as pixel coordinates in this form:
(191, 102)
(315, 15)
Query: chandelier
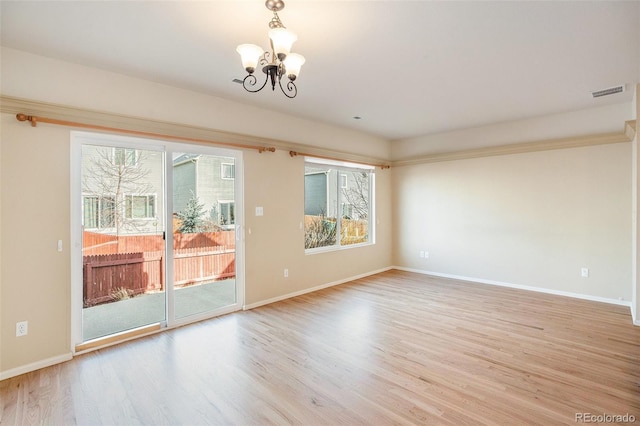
(276, 63)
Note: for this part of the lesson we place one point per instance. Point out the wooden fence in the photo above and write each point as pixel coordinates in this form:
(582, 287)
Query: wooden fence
(195, 265)
(108, 269)
(134, 273)
(94, 243)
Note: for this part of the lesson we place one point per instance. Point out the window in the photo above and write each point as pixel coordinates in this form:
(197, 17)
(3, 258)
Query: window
(98, 212)
(125, 157)
(227, 171)
(343, 181)
(140, 206)
(338, 204)
(347, 211)
(226, 213)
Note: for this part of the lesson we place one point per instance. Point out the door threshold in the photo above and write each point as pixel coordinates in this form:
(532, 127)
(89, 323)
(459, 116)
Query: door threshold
(113, 339)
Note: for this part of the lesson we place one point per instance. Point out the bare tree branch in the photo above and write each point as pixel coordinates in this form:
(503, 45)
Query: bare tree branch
(112, 176)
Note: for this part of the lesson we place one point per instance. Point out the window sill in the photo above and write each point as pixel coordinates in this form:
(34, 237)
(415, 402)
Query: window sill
(328, 249)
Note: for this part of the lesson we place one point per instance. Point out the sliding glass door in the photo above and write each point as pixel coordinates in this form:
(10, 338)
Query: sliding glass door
(156, 234)
(123, 223)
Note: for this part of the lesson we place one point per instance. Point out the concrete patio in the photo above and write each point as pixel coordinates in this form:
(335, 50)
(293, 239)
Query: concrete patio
(109, 318)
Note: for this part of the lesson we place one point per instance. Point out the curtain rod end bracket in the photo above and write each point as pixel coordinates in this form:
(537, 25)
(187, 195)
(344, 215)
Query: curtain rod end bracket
(30, 118)
(293, 153)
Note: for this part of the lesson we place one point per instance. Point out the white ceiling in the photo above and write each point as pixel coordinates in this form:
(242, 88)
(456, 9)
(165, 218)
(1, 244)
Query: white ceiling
(408, 68)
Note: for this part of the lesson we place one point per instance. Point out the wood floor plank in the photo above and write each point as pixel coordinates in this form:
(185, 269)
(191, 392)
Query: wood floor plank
(394, 348)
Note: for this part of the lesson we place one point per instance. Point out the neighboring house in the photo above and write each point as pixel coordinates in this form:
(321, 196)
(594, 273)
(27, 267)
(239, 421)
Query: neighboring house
(321, 193)
(122, 190)
(211, 180)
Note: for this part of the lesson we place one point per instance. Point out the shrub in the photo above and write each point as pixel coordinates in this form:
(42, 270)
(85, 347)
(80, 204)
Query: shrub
(319, 232)
(121, 294)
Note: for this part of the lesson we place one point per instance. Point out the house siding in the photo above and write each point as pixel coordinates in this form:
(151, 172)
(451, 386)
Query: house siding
(201, 176)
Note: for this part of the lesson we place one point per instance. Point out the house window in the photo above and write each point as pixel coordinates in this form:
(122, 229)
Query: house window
(140, 206)
(98, 212)
(347, 211)
(228, 171)
(338, 205)
(226, 213)
(125, 157)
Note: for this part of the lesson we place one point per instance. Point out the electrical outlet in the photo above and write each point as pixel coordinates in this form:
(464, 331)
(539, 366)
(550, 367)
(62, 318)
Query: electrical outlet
(584, 272)
(22, 328)
(286, 273)
(426, 254)
(421, 254)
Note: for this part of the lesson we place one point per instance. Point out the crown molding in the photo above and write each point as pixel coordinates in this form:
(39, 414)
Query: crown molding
(13, 105)
(626, 135)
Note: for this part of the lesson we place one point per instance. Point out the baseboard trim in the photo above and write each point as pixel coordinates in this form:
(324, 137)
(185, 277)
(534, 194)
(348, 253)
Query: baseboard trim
(312, 289)
(519, 286)
(23, 369)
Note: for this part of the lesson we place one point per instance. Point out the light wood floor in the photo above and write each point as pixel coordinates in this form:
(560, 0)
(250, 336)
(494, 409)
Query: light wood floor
(394, 348)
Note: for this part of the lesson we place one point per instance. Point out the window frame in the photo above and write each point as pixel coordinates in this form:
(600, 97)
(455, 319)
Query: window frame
(232, 206)
(348, 206)
(115, 157)
(100, 201)
(344, 181)
(128, 209)
(232, 167)
(339, 168)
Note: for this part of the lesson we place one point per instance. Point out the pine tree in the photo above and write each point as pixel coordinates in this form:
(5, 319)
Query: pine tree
(191, 216)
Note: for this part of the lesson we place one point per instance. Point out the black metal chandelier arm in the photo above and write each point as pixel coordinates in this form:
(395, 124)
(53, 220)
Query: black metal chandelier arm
(291, 91)
(250, 81)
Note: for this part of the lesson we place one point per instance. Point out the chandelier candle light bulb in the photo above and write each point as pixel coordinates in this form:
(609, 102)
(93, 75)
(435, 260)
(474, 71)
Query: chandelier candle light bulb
(276, 63)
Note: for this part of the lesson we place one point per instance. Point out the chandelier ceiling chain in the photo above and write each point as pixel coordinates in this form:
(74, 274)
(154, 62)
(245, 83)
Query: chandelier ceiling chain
(276, 22)
(276, 63)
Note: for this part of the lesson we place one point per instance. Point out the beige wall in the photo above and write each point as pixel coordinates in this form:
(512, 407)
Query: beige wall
(531, 219)
(33, 77)
(35, 277)
(600, 119)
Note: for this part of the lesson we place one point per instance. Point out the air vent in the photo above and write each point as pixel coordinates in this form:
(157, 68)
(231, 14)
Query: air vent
(609, 91)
